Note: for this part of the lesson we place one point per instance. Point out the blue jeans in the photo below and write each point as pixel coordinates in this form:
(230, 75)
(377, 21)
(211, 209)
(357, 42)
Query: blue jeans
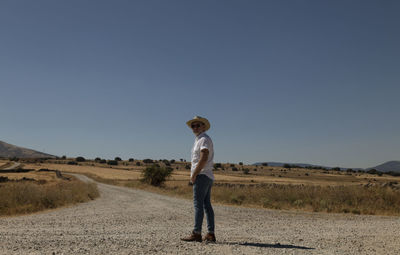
(201, 199)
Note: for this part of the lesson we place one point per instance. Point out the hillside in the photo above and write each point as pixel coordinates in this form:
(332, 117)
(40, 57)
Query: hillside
(8, 151)
(393, 166)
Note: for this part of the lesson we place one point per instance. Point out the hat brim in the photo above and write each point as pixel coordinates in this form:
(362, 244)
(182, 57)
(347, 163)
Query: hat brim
(202, 120)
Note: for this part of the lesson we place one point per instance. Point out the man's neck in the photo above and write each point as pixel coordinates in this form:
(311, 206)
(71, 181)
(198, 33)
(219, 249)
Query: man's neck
(197, 135)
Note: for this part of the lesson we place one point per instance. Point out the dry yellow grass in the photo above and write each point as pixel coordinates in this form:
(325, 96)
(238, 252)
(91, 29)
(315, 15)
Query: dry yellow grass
(47, 176)
(44, 192)
(271, 187)
(268, 175)
(27, 197)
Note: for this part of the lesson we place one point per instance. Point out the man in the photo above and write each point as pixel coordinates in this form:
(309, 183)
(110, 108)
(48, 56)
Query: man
(202, 177)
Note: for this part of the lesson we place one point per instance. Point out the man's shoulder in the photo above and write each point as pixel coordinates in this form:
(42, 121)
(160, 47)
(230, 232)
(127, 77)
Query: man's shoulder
(204, 137)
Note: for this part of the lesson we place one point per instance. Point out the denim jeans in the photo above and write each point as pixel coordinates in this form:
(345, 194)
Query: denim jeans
(201, 198)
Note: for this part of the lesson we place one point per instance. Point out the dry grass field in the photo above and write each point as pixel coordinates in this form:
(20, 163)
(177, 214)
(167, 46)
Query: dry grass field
(261, 186)
(27, 192)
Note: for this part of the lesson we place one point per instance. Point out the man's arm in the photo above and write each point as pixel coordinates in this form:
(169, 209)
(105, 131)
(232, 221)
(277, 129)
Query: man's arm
(203, 160)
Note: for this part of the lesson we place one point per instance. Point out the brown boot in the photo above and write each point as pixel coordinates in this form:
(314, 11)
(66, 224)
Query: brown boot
(193, 237)
(209, 238)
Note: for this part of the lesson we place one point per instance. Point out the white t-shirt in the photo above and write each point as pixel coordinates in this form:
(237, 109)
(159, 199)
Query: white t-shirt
(203, 141)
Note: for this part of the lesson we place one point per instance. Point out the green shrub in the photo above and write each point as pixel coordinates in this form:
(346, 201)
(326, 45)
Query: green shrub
(147, 161)
(131, 160)
(72, 163)
(117, 159)
(112, 162)
(246, 171)
(80, 159)
(156, 175)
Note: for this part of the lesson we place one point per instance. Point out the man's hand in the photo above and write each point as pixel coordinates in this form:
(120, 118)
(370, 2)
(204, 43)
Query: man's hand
(193, 179)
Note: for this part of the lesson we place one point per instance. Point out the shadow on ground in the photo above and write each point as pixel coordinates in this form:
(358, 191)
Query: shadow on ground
(265, 245)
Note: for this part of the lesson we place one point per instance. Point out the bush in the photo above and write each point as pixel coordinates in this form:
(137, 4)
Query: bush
(138, 163)
(148, 161)
(246, 171)
(156, 175)
(72, 163)
(287, 166)
(80, 159)
(117, 159)
(241, 163)
(234, 169)
(102, 161)
(131, 160)
(217, 165)
(187, 166)
(112, 162)
(97, 159)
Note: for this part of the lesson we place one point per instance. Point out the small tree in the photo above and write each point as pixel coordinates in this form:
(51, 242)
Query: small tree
(241, 163)
(80, 159)
(117, 159)
(246, 171)
(131, 160)
(112, 162)
(147, 161)
(156, 175)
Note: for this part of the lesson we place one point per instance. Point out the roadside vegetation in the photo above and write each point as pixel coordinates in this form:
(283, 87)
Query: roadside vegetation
(289, 187)
(28, 196)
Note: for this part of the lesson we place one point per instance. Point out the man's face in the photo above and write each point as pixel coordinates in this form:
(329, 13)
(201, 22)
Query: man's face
(198, 127)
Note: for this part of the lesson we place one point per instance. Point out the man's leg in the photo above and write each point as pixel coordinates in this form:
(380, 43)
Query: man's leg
(199, 192)
(209, 210)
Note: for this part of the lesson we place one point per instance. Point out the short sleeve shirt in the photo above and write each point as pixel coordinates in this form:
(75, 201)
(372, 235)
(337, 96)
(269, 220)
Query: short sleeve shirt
(203, 141)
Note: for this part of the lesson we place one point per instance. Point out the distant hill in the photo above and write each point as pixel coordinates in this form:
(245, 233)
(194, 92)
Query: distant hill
(8, 151)
(281, 164)
(393, 166)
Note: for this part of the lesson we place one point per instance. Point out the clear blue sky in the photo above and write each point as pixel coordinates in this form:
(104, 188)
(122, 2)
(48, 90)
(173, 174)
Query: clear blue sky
(292, 81)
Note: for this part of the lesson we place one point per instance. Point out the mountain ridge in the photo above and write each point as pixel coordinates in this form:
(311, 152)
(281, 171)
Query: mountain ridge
(9, 151)
(393, 165)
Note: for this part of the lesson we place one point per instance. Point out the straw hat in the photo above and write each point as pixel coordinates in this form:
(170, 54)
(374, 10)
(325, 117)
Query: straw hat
(200, 119)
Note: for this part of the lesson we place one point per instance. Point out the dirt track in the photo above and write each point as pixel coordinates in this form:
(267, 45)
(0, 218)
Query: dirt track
(127, 221)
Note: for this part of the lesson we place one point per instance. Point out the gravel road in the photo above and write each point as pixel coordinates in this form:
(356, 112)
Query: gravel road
(128, 221)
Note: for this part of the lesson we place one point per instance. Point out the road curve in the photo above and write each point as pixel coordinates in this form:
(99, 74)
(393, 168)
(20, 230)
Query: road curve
(129, 221)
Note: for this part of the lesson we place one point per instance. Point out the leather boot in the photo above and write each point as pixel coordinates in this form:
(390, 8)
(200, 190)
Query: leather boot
(193, 237)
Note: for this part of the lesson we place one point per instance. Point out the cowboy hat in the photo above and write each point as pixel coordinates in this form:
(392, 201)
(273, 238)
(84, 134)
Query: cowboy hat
(199, 119)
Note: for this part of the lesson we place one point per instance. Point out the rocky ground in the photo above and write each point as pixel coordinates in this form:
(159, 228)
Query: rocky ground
(128, 221)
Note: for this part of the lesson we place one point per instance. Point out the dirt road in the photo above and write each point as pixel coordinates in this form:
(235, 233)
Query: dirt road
(127, 221)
